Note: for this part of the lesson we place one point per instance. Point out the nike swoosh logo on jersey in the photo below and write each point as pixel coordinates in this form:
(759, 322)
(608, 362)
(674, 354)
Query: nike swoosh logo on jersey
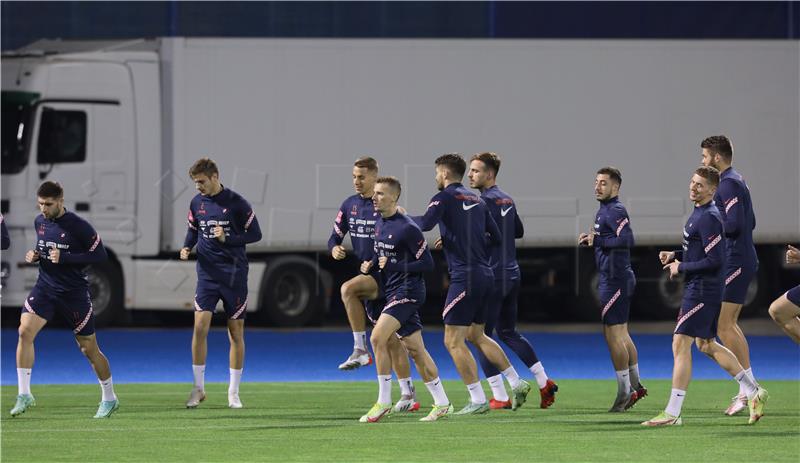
(503, 212)
(466, 208)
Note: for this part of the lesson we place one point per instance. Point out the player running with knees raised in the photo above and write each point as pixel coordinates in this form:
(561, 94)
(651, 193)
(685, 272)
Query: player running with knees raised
(702, 261)
(741, 263)
(464, 222)
(220, 223)
(65, 245)
(502, 312)
(364, 292)
(402, 255)
(612, 239)
(785, 310)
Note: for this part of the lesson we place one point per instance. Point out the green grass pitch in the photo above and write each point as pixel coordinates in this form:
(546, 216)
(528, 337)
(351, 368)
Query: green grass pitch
(318, 422)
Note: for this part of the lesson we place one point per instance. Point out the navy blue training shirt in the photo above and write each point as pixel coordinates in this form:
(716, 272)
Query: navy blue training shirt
(703, 255)
(613, 241)
(222, 262)
(736, 210)
(357, 216)
(400, 240)
(464, 222)
(79, 244)
(504, 213)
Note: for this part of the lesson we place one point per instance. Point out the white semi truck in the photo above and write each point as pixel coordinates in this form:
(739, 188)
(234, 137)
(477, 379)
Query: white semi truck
(118, 123)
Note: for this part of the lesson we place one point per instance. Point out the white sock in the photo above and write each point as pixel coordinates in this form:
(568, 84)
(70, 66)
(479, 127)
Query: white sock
(511, 375)
(385, 389)
(675, 402)
(437, 391)
(406, 386)
(747, 386)
(236, 379)
(199, 372)
(538, 372)
(360, 340)
(476, 394)
(498, 388)
(751, 377)
(24, 380)
(623, 382)
(107, 387)
(633, 371)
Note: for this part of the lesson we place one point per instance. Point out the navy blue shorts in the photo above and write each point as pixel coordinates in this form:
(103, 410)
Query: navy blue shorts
(406, 311)
(698, 317)
(75, 306)
(468, 298)
(615, 300)
(737, 280)
(794, 295)
(234, 300)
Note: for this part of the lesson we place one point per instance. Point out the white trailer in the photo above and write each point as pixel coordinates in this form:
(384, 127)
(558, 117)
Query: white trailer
(119, 123)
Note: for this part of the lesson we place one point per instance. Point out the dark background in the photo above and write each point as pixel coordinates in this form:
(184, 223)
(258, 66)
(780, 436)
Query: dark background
(25, 22)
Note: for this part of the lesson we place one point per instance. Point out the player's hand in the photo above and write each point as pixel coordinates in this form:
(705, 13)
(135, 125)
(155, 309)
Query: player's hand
(32, 256)
(338, 252)
(219, 233)
(438, 244)
(366, 266)
(792, 254)
(402, 210)
(673, 268)
(583, 239)
(666, 257)
(54, 255)
(184, 254)
(382, 262)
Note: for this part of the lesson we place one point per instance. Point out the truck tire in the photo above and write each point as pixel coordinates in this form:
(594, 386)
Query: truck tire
(105, 288)
(291, 295)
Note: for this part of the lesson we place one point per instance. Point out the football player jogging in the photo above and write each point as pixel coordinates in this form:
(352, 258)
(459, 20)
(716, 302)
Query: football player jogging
(65, 245)
(785, 310)
(220, 223)
(502, 312)
(612, 240)
(464, 221)
(402, 255)
(702, 261)
(741, 263)
(357, 216)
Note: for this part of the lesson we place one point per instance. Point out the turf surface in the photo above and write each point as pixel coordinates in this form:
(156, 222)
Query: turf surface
(319, 422)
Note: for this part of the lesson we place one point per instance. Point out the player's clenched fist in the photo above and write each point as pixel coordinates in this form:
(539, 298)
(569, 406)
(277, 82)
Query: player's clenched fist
(184, 254)
(32, 256)
(382, 262)
(366, 266)
(666, 257)
(338, 252)
(54, 255)
(219, 233)
(792, 255)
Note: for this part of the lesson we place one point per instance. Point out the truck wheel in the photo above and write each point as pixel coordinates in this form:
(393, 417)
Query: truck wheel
(105, 288)
(291, 295)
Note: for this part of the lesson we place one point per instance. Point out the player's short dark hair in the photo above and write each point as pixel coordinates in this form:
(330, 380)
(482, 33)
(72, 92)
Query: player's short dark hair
(50, 189)
(489, 159)
(612, 172)
(368, 163)
(454, 163)
(719, 144)
(393, 182)
(205, 166)
(709, 173)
